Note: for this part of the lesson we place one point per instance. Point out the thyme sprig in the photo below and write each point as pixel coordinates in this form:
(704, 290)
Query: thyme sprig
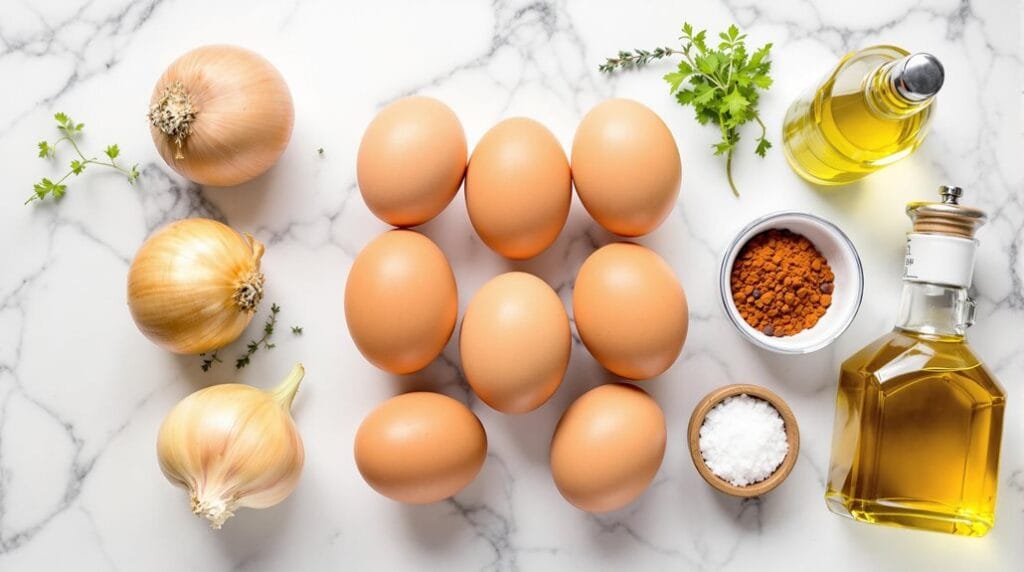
(209, 359)
(635, 59)
(263, 342)
(70, 130)
(720, 83)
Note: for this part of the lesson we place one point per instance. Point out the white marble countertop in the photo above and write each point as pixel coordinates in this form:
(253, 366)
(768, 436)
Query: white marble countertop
(82, 392)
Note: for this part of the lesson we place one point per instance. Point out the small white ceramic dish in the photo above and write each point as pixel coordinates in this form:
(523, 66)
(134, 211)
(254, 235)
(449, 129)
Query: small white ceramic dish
(846, 296)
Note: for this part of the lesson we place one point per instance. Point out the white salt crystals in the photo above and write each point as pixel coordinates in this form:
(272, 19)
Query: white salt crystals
(743, 440)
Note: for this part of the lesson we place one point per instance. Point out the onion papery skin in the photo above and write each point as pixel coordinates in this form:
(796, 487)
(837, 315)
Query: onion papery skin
(233, 445)
(184, 285)
(243, 121)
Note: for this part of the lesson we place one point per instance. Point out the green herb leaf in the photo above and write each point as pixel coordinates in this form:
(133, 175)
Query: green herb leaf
(77, 166)
(44, 149)
(734, 103)
(707, 63)
(722, 147)
(762, 81)
(42, 187)
(676, 78)
(112, 151)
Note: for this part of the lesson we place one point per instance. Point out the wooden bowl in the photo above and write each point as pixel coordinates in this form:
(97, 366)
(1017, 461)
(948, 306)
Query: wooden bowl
(792, 437)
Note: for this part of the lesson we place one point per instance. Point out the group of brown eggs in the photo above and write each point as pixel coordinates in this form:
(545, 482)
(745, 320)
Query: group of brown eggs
(401, 299)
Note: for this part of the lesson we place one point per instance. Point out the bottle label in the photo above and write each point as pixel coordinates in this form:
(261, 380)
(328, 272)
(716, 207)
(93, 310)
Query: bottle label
(939, 259)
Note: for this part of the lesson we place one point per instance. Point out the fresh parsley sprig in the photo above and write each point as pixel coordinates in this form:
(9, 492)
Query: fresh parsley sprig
(70, 130)
(721, 83)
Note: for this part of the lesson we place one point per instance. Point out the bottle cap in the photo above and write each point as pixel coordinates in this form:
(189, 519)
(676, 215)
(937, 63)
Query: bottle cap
(918, 76)
(946, 217)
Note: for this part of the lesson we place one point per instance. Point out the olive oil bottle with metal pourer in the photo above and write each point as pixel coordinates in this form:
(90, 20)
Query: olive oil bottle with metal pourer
(871, 111)
(918, 417)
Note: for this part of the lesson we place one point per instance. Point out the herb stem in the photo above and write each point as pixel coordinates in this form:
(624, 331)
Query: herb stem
(728, 172)
(85, 162)
(73, 144)
(90, 161)
(764, 130)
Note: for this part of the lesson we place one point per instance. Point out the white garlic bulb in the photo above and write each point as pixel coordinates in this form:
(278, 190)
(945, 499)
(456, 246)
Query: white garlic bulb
(233, 445)
(194, 285)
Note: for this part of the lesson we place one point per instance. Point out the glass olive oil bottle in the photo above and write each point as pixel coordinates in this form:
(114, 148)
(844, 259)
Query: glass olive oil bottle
(918, 417)
(872, 110)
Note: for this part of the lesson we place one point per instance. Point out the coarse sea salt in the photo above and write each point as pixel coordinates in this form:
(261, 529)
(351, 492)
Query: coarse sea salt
(743, 440)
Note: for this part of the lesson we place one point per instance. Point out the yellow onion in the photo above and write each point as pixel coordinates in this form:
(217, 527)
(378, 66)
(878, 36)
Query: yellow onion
(233, 445)
(221, 115)
(194, 285)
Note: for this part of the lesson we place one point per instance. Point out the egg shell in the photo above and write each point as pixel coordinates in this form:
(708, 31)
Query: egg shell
(607, 447)
(411, 161)
(630, 310)
(420, 447)
(401, 302)
(626, 167)
(518, 188)
(515, 342)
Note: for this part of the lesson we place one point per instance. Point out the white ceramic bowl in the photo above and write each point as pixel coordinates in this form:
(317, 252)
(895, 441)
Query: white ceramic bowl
(846, 296)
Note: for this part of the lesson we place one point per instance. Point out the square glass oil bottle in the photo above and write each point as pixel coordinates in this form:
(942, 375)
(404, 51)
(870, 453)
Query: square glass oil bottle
(918, 417)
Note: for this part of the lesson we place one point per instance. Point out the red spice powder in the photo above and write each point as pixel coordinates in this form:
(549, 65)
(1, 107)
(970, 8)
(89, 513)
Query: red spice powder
(780, 283)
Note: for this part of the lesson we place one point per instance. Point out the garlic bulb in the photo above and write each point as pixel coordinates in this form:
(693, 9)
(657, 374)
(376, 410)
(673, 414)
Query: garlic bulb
(221, 115)
(233, 445)
(194, 285)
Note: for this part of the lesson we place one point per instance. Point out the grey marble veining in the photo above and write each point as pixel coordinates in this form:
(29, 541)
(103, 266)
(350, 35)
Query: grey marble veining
(82, 393)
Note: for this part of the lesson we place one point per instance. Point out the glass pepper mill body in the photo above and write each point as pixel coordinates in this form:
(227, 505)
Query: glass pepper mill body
(918, 417)
(872, 110)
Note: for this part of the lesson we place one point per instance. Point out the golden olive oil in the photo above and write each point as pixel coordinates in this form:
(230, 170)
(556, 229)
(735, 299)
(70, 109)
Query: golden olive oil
(872, 110)
(919, 419)
(917, 433)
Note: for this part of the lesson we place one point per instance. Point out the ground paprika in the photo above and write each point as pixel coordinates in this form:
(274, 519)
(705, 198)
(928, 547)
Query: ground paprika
(780, 283)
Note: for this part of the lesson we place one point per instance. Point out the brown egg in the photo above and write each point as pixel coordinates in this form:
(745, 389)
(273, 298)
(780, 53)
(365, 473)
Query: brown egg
(515, 342)
(411, 161)
(625, 165)
(518, 188)
(401, 302)
(420, 447)
(630, 310)
(607, 447)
